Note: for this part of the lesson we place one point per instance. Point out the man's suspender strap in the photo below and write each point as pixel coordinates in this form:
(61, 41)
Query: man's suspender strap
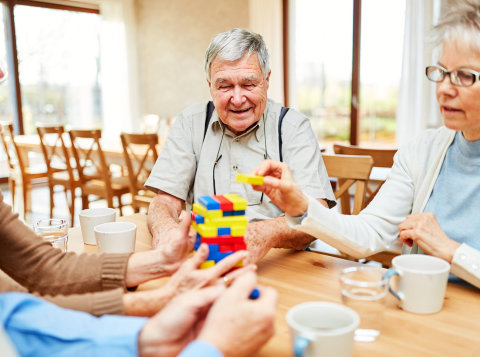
(210, 109)
(280, 120)
(283, 112)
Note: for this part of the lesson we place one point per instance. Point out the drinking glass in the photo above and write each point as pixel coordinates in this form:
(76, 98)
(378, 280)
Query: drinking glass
(364, 289)
(54, 231)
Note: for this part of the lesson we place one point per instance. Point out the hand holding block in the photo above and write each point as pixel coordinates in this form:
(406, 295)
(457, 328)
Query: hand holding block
(251, 179)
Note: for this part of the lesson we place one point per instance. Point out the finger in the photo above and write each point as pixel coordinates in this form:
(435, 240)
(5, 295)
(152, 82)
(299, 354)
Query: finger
(238, 272)
(268, 295)
(185, 221)
(272, 182)
(228, 263)
(263, 168)
(406, 237)
(200, 255)
(196, 300)
(243, 285)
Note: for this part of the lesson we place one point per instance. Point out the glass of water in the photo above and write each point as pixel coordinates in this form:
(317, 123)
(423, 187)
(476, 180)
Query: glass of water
(54, 231)
(364, 289)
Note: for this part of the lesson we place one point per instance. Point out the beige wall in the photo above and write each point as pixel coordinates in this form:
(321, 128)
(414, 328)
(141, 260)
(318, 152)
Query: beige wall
(172, 38)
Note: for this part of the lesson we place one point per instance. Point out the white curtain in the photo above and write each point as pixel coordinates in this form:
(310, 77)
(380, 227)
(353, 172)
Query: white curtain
(266, 19)
(417, 106)
(119, 67)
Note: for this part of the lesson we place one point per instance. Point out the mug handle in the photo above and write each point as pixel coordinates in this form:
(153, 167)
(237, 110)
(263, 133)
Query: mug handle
(300, 345)
(388, 274)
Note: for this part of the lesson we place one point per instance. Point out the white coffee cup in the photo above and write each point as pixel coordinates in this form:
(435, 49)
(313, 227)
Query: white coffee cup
(322, 329)
(422, 281)
(89, 218)
(116, 237)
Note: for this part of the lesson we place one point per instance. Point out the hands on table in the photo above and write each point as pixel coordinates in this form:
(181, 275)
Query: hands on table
(226, 318)
(424, 230)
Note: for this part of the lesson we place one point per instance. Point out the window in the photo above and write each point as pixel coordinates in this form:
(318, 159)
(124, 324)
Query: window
(58, 67)
(322, 78)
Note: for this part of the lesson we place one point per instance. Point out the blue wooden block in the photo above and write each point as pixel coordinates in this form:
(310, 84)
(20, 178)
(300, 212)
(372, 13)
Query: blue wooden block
(223, 231)
(239, 213)
(255, 294)
(199, 219)
(209, 203)
(196, 246)
(217, 256)
(228, 213)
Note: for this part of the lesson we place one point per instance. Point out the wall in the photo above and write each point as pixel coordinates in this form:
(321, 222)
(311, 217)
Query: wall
(172, 36)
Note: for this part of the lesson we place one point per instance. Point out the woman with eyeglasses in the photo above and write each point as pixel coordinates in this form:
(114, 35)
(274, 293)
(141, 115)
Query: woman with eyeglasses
(431, 199)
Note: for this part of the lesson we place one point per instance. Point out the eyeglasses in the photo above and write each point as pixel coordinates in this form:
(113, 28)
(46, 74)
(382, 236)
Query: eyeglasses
(219, 156)
(460, 77)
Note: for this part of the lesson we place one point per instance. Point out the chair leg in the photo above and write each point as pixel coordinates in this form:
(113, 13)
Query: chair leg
(85, 203)
(25, 198)
(120, 205)
(11, 184)
(72, 205)
(52, 203)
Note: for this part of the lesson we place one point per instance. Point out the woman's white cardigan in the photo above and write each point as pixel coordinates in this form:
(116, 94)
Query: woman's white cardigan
(406, 191)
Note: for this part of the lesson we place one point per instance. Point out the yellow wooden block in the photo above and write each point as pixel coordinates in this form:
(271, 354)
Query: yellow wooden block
(239, 203)
(207, 264)
(251, 179)
(202, 211)
(227, 221)
(237, 231)
(205, 230)
(239, 264)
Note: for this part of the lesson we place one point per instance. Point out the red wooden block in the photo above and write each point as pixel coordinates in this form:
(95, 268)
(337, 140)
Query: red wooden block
(225, 203)
(225, 248)
(239, 246)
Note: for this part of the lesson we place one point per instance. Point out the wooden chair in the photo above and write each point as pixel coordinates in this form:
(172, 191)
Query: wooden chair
(59, 165)
(381, 158)
(20, 171)
(356, 169)
(140, 151)
(93, 171)
(349, 170)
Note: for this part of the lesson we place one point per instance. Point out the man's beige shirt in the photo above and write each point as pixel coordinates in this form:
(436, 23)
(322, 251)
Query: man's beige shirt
(186, 165)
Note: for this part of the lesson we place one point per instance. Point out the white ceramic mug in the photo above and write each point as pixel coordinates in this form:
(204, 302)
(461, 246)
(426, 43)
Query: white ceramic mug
(89, 218)
(116, 237)
(422, 281)
(322, 329)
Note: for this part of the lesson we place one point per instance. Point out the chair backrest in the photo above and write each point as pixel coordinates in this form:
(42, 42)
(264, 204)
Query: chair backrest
(89, 157)
(381, 157)
(349, 170)
(140, 152)
(55, 150)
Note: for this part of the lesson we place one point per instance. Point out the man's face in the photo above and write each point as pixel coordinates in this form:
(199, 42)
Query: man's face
(239, 91)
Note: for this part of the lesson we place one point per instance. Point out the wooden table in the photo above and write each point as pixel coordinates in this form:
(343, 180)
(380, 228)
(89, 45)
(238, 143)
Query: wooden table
(306, 276)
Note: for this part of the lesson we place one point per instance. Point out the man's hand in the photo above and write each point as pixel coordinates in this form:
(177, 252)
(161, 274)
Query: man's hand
(176, 245)
(179, 323)
(237, 325)
(282, 189)
(424, 229)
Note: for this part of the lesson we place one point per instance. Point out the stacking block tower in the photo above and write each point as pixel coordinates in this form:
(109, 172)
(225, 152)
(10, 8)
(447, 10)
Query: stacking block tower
(220, 222)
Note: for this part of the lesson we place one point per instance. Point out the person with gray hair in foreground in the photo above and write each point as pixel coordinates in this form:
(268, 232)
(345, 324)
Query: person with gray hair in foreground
(210, 143)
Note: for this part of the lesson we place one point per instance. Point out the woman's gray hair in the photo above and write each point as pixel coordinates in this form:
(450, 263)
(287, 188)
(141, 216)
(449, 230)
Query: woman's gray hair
(460, 21)
(233, 45)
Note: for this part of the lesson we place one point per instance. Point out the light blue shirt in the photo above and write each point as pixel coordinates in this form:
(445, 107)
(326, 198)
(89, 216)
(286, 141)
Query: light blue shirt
(40, 328)
(455, 199)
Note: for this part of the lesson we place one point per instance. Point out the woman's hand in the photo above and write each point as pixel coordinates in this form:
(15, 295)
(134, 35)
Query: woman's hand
(424, 229)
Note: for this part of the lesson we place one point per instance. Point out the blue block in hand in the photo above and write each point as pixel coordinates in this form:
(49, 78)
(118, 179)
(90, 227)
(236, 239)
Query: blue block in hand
(255, 294)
